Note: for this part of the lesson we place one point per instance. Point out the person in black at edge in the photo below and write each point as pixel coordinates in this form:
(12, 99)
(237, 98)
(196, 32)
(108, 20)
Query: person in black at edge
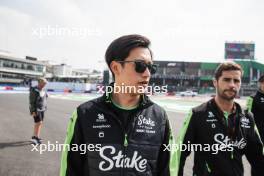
(223, 130)
(255, 104)
(129, 128)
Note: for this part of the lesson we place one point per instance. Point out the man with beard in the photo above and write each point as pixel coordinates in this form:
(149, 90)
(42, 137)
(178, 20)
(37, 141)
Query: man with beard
(223, 131)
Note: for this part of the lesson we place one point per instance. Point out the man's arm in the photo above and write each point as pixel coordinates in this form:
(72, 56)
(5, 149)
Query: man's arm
(186, 136)
(167, 155)
(249, 104)
(255, 151)
(32, 101)
(72, 161)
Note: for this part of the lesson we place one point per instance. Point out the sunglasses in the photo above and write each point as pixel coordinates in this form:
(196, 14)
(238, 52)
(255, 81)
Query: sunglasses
(141, 66)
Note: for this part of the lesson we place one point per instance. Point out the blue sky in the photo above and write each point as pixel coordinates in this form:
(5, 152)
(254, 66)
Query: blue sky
(78, 31)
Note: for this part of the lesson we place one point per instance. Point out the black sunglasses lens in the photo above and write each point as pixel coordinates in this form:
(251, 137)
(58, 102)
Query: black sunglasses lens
(140, 67)
(153, 69)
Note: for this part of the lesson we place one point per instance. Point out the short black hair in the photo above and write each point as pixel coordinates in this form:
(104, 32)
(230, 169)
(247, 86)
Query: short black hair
(227, 66)
(120, 48)
(261, 78)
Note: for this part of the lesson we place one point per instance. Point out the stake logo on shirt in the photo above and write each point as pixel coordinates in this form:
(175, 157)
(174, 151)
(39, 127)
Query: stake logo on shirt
(226, 142)
(144, 121)
(119, 160)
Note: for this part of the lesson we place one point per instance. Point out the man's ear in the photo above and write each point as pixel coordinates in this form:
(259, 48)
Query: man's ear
(215, 82)
(115, 67)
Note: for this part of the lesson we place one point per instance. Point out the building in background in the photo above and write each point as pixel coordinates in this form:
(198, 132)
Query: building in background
(177, 75)
(65, 73)
(198, 76)
(19, 71)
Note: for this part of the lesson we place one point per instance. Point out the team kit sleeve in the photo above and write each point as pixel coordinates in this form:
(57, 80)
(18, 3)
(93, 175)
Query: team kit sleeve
(249, 104)
(72, 161)
(255, 151)
(185, 137)
(167, 156)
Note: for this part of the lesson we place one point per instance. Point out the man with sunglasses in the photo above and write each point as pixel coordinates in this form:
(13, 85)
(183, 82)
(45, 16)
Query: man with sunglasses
(128, 130)
(220, 133)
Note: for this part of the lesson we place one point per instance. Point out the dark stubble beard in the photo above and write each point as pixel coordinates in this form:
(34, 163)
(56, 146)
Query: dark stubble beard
(224, 96)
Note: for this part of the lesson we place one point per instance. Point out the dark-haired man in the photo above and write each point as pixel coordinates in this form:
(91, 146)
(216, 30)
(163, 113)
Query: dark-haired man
(220, 133)
(128, 130)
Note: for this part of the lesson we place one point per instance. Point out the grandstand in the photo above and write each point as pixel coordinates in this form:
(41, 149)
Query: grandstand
(19, 71)
(198, 76)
